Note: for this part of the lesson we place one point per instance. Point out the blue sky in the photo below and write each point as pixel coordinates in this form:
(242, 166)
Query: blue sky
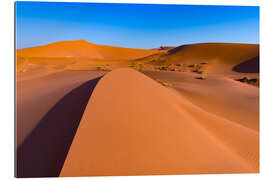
(134, 25)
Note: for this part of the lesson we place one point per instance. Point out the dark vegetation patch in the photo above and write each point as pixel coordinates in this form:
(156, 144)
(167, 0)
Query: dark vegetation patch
(246, 79)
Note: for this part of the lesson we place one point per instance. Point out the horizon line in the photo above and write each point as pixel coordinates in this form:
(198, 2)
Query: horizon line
(137, 48)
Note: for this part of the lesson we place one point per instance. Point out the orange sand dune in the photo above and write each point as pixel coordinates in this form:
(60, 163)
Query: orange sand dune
(73, 55)
(221, 57)
(133, 126)
(82, 49)
(228, 53)
(219, 95)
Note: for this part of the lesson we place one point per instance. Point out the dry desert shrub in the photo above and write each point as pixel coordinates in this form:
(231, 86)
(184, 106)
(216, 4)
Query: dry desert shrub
(164, 68)
(198, 71)
(193, 65)
(101, 68)
(202, 77)
(164, 83)
(179, 64)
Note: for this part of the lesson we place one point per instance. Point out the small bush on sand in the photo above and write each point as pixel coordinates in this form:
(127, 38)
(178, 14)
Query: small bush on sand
(101, 68)
(164, 83)
(193, 65)
(198, 71)
(164, 68)
(204, 62)
(202, 77)
(244, 79)
(179, 64)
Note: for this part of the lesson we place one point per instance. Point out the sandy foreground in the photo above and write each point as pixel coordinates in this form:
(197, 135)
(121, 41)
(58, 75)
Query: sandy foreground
(132, 125)
(150, 129)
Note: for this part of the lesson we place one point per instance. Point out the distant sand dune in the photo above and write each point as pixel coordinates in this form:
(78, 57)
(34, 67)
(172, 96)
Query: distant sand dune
(82, 49)
(227, 53)
(221, 58)
(133, 126)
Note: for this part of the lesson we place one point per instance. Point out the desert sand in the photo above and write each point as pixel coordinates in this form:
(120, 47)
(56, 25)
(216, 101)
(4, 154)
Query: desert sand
(83, 49)
(92, 110)
(149, 129)
(48, 111)
(75, 55)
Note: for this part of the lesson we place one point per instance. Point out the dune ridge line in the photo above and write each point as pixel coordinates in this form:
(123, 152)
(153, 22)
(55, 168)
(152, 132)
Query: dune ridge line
(150, 129)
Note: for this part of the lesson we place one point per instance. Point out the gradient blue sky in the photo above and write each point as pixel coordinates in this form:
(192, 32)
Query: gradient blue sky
(134, 25)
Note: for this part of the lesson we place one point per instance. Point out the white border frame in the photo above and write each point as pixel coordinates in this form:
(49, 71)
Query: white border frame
(7, 89)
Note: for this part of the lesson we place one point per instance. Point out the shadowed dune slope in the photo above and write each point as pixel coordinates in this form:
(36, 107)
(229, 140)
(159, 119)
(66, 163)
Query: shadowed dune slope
(250, 66)
(133, 126)
(43, 152)
(82, 49)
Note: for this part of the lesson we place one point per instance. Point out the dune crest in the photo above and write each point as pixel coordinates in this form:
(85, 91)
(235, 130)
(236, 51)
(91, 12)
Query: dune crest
(134, 126)
(82, 49)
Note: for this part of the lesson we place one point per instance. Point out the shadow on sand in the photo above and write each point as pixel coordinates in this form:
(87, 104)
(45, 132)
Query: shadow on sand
(250, 66)
(43, 152)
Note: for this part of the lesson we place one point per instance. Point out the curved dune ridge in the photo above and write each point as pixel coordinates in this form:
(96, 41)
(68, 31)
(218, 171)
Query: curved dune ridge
(134, 126)
(82, 49)
(228, 53)
(221, 58)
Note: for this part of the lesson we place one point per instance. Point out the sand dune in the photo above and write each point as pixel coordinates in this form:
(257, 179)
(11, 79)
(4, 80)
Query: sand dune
(82, 49)
(219, 95)
(133, 126)
(228, 53)
(73, 55)
(221, 57)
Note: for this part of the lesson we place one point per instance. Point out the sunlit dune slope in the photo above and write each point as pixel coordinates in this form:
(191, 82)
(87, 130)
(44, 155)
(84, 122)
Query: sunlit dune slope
(228, 53)
(133, 126)
(82, 49)
(218, 55)
(225, 97)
